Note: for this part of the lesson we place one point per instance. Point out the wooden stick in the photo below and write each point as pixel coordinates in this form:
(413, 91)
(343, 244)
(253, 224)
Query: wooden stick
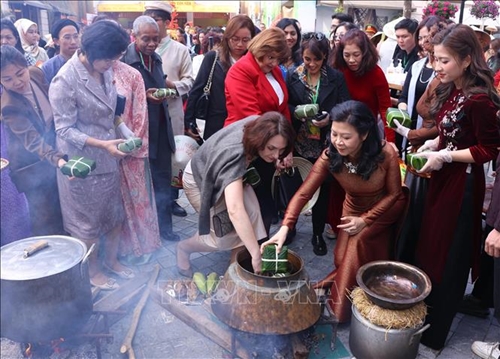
(127, 342)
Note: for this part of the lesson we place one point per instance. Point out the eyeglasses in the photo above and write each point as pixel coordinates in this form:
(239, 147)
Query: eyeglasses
(338, 37)
(317, 35)
(237, 40)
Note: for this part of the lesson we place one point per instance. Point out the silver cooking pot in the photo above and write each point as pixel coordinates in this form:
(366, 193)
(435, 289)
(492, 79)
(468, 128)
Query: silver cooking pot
(45, 288)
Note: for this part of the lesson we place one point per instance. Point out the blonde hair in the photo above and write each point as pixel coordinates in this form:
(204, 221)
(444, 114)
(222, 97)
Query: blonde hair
(269, 41)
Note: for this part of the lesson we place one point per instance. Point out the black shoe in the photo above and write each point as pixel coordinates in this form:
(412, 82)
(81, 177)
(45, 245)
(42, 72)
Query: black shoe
(471, 305)
(178, 210)
(290, 236)
(170, 236)
(319, 245)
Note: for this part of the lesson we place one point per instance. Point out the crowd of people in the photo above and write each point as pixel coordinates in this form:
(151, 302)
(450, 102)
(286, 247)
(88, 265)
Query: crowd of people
(250, 86)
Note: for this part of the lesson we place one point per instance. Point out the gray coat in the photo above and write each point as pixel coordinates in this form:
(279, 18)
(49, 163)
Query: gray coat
(82, 108)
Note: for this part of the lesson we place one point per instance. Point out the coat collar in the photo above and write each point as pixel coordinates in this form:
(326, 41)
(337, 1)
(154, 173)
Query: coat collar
(131, 56)
(276, 72)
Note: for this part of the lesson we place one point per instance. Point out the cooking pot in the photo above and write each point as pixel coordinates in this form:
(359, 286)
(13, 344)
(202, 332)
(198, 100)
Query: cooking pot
(45, 288)
(370, 341)
(265, 305)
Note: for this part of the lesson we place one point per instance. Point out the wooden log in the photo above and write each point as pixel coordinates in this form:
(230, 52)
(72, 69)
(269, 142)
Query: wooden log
(117, 298)
(127, 342)
(204, 322)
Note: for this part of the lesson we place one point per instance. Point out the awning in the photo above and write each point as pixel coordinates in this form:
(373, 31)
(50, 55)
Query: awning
(179, 6)
(33, 3)
(63, 7)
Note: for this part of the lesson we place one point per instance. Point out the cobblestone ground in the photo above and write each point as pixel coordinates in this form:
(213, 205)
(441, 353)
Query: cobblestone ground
(161, 335)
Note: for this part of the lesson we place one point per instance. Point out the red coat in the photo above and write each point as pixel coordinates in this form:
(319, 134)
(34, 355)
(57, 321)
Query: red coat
(248, 91)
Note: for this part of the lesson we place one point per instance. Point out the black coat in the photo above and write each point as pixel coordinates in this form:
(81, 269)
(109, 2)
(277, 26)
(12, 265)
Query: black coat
(217, 112)
(331, 92)
(154, 79)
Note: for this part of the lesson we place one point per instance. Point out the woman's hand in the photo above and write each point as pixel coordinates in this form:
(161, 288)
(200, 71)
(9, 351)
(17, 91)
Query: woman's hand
(285, 163)
(257, 264)
(189, 132)
(435, 160)
(151, 98)
(322, 123)
(353, 226)
(403, 131)
(112, 147)
(429, 145)
(279, 238)
(492, 244)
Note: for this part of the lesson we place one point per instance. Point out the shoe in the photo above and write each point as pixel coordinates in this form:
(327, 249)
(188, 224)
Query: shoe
(178, 210)
(170, 236)
(125, 274)
(290, 236)
(330, 234)
(486, 350)
(110, 284)
(319, 245)
(471, 305)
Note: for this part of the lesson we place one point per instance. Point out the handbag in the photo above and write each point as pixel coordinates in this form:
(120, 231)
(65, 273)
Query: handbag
(286, 185)
(222, 223)
(204, 100)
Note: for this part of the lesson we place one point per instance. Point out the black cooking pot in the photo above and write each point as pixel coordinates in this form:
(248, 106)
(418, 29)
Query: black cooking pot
(45, 288)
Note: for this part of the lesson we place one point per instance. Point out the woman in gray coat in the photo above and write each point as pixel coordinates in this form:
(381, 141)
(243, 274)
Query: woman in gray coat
(83, 97)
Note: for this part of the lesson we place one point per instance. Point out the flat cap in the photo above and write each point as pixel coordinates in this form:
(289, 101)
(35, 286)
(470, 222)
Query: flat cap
(158, 5)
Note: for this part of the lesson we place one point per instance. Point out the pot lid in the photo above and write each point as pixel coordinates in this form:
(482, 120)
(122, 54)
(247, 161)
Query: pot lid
(55, 254)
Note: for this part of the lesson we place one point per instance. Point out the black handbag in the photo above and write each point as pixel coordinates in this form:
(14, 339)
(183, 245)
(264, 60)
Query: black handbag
(201, 111)
(286, 185)
(222, 223)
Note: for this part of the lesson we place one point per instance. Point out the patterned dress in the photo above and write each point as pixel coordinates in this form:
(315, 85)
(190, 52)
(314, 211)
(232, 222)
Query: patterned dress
(140, 232)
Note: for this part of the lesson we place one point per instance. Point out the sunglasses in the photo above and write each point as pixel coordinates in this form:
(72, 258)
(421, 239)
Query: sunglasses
(317, 35)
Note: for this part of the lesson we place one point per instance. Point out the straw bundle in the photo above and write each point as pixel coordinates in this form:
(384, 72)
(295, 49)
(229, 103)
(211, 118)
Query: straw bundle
(387, 318)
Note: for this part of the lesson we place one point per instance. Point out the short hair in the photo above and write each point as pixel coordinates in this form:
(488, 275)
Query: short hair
(284, 23)
(61, 24)
(9, 25)
(164, 15)
(359, 116)
(104, 40)
(407, 24)
(369, 54)
(319, 48)
(258, 132)
(342, 17)
(144, 20)
(100, 17)
(234, 24)
(9, 55)
(268, 41)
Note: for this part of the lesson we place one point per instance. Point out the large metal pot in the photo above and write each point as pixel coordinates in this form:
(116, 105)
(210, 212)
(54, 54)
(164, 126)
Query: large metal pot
(370, 341)
(45, 288)
(264, 305)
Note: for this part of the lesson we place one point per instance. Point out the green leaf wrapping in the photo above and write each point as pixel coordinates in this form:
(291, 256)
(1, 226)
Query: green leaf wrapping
(274, 264)
(78, 166)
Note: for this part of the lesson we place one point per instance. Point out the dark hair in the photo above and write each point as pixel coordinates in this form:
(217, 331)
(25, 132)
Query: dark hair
(257, 133)
(319, 48)
(296, 54)
(433, 24)
(217, 38)
(9, 25)
(100, 17)
(234, 24)
(407, 24)
(343, 17)
(60, 24)
(9, 55)
(164, 15)
(369, 54)
(104, 40)
(461, 41)
(359, 116)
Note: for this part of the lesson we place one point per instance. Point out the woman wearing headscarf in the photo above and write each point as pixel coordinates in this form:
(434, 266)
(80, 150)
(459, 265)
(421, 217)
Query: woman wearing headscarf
(28, 31)
(10, 36)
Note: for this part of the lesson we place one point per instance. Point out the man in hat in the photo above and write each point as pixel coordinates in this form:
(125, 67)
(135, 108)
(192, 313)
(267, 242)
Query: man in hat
(66, 37)
(177, 65)
(370, 30)
(141, 55)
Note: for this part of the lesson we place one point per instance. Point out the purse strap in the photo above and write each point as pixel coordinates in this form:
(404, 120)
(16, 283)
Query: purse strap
(208, 86)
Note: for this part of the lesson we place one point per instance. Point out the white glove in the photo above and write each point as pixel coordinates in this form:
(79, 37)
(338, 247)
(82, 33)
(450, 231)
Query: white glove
(403, 131)
(124, 131)
(435, 160)
(429, 145)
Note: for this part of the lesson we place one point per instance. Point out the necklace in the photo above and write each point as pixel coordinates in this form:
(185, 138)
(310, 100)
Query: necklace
(422, 72)
(351, 168)
(143, 64)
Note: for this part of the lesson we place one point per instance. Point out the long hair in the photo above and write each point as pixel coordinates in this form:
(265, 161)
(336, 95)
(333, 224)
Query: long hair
(258, 132)
(359, 116)
(461, 41)
(9, 25)
(319, 48)
(369, 54)
(235, 23)
(284, 23)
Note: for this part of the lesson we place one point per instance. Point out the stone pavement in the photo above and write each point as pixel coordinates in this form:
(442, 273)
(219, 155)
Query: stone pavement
(160, 335)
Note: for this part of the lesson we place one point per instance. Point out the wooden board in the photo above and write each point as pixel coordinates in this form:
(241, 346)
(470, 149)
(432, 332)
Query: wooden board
(116, 299)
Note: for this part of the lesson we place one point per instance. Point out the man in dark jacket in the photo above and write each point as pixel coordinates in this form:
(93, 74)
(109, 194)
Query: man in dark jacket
(141, 55)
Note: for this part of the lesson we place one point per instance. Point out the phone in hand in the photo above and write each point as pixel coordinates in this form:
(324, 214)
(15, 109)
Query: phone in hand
(320, 116)
(120, 105)
(194, 129)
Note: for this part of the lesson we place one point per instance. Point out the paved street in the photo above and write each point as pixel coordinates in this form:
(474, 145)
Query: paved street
(162, 335)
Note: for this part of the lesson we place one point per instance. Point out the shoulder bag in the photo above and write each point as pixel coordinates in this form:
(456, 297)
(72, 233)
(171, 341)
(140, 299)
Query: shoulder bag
(204, 100)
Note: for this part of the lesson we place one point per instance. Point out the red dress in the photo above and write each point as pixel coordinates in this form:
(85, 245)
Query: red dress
(381, 203)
